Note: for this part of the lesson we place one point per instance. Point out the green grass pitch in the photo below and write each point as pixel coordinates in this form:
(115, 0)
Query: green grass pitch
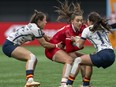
(48, 73)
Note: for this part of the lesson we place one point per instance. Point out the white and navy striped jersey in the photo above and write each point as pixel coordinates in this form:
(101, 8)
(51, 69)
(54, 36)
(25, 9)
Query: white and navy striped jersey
(25, 33)
(98, 38)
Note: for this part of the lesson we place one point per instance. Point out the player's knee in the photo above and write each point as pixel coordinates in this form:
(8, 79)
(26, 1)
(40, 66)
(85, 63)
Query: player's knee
(31, 62)
(78, 60)
(33, 58)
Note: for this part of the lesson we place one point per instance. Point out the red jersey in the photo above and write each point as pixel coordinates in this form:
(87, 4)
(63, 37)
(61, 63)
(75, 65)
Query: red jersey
(63, 36)
(65, 32)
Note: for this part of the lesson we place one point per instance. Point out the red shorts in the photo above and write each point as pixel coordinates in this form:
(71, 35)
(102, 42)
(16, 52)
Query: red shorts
(50, 52)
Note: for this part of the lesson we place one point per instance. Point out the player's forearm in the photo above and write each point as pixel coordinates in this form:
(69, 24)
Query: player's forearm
(48, 45)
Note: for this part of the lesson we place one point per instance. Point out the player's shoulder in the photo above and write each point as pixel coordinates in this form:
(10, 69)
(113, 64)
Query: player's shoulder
(68, 26)
(32, 25)
(88, 28)
(64, 28)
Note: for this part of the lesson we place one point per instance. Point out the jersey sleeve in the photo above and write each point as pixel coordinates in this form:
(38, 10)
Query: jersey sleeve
(85, 33)
(37, 32)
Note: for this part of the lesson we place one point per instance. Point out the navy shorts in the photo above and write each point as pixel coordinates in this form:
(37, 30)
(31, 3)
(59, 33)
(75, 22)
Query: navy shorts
(103, 58)
(8, 47)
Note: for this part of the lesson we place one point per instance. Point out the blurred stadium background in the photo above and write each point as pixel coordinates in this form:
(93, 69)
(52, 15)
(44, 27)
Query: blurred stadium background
(15, 13)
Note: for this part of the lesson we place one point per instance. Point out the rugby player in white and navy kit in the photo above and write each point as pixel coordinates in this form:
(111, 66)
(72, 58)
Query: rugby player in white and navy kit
(12, 46)
(97, 34)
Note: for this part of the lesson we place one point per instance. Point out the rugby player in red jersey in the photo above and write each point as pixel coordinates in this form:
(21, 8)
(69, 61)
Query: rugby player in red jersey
(68, 52)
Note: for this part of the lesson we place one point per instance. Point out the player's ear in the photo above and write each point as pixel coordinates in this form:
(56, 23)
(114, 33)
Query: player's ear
(39, 21)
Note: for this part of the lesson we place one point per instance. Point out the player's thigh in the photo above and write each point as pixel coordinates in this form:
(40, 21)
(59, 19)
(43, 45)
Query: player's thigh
(21, 53)
(86, 60)
(75, 54)
(63, 57)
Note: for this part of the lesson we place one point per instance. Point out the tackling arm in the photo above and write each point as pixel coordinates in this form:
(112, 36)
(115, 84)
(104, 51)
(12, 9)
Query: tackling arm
(46, 44)
(80, 43)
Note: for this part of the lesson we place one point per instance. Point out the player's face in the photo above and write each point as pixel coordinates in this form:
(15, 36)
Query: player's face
(42, 23)
(77, 22)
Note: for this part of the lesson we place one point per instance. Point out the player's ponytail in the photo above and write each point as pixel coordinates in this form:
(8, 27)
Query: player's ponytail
(105, 24)
(38, 15)
(99, 23)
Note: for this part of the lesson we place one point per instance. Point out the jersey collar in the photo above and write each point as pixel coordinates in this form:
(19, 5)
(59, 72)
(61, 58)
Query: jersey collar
(73, 28)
